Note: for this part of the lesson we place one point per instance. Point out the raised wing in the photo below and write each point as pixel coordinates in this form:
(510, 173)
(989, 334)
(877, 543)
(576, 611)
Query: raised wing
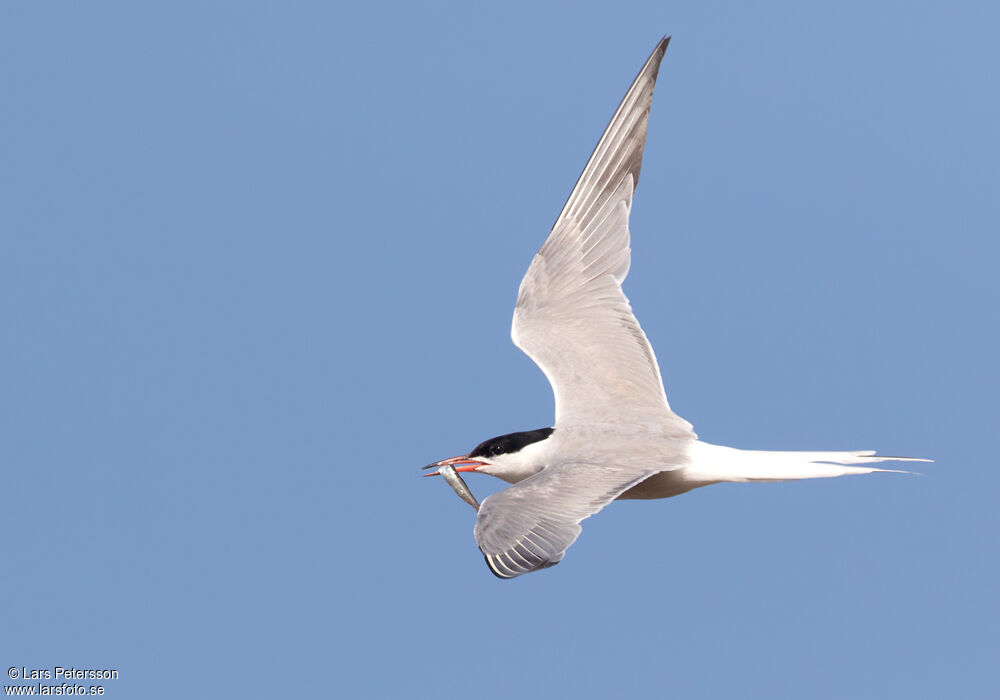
(530, 525)
(572, 317)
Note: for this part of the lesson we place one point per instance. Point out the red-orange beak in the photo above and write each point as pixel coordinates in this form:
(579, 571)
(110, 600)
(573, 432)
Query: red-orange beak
(462, 463)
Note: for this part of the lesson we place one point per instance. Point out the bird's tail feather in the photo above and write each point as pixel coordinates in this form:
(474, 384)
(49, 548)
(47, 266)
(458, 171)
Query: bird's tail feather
(718, 463)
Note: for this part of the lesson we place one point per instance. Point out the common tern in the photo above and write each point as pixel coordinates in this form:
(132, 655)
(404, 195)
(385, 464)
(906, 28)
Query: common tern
(615, 436)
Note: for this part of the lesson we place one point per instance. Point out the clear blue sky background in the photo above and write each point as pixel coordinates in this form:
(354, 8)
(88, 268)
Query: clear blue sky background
(257, 266)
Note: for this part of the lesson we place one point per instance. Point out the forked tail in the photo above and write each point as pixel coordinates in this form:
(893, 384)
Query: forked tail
(717, 463)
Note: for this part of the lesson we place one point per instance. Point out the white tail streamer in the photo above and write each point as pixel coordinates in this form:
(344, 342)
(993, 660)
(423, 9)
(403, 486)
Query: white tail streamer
(713, 463)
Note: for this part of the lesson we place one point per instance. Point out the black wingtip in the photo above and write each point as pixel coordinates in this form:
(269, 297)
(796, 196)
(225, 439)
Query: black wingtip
(651, 67)
(494, 571)
(661, 48)
(505, 571)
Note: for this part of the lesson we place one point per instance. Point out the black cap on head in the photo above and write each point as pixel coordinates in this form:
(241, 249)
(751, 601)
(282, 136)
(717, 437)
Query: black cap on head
(507, 444)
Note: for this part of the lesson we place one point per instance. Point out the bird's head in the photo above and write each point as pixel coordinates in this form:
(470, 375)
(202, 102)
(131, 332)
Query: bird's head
(505, 457)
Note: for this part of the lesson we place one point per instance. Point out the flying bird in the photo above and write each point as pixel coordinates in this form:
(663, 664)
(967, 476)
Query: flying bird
(615, 436)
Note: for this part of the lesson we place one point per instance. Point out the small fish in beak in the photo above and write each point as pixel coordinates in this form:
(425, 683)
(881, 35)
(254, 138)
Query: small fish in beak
(449, 469)
(458, 483)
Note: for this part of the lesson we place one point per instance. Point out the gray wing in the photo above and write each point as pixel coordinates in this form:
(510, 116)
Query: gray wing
(572, 317)
(530, 525)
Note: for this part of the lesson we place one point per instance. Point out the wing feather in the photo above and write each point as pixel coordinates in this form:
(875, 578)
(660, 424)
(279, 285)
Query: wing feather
(530, 525)
(572, 317)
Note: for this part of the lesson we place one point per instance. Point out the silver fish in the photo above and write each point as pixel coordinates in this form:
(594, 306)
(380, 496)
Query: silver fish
(457, 483)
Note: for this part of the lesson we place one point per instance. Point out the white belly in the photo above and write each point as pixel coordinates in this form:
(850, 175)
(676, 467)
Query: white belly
(665, 485)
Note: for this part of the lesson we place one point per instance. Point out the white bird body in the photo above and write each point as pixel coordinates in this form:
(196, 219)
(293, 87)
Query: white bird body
(681, 464)
(615, 435)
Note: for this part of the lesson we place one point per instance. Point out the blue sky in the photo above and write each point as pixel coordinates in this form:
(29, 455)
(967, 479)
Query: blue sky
(257, 266)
